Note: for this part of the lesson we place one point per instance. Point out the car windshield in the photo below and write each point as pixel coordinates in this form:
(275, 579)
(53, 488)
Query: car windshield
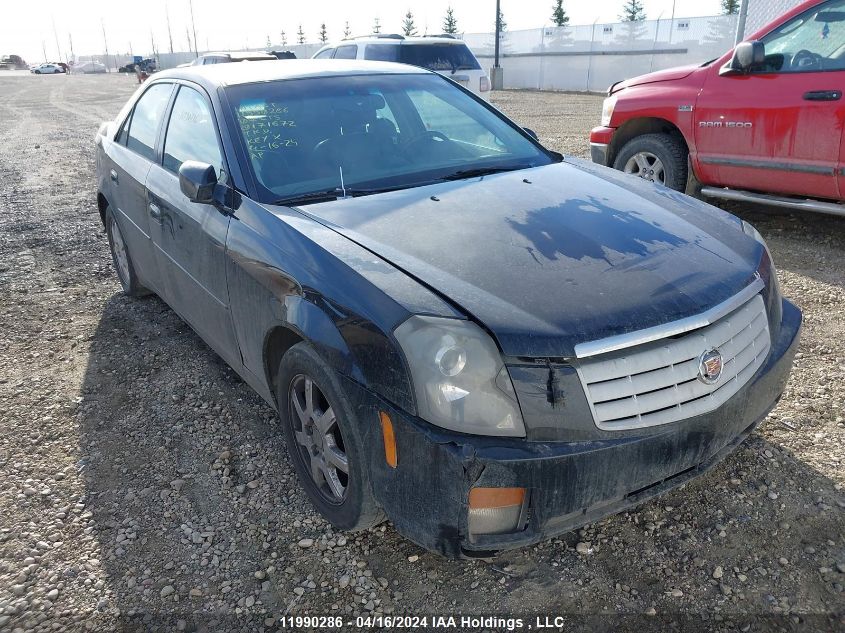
(370, 133)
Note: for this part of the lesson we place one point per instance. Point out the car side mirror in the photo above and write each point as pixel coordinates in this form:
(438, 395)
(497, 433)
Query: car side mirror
(197, 181)
(746, 56)
(531, 133)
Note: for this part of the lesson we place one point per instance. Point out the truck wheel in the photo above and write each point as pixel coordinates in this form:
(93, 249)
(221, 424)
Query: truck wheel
(656, 158)
(320, 431)
(120, 256)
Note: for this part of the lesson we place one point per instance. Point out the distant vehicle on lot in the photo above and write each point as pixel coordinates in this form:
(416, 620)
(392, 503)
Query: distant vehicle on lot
(443, 54)
(461, 331)
(89, 68)
(763, 123)
(226, 58)
(12, 62)
(47, 69)
(147, 65)
(282, 54)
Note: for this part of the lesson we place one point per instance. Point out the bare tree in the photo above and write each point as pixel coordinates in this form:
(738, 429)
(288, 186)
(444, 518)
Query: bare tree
(300, 35)
(376, 26)
(346, 30)
(324, 37)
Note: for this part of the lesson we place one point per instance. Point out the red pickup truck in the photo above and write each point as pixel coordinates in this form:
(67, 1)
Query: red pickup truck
(763, 123)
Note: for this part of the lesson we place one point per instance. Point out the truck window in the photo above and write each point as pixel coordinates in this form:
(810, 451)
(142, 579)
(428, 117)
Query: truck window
(811, 42)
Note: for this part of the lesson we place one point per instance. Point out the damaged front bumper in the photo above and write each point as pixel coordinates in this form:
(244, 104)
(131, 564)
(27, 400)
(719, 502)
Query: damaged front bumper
(568, 483)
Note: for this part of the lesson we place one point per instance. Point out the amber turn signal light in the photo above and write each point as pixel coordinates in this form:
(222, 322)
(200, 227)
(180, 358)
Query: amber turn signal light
(495, 510)
(390, 455)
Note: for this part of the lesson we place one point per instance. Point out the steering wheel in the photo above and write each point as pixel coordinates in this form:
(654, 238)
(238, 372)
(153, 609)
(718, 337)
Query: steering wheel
(806, 60)
(428, 135)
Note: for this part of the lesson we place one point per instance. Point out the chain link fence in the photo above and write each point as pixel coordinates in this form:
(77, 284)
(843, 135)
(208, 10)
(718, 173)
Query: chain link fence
(591, 57)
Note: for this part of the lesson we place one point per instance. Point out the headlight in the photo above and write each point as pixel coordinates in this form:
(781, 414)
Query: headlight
(750, 231)
(459, 378)
(607, 110)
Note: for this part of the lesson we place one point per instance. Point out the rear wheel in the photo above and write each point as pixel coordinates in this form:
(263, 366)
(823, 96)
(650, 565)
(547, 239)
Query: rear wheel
(320, 431)
(655, 157)
(122, 261)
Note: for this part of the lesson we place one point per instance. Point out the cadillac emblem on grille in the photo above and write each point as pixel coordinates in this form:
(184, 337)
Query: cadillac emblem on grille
(710, 367)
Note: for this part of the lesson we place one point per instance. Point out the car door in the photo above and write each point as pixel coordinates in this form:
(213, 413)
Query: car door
(130, 157)
(779, 128)
(190, 237)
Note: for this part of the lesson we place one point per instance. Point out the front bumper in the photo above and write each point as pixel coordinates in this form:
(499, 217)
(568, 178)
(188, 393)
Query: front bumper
(569, 483)
(600, 138)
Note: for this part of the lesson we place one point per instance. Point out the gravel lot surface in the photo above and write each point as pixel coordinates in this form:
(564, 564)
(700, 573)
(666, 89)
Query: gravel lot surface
(144, 486)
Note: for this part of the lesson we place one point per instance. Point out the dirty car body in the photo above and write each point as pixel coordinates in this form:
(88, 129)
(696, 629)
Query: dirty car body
(550, 341)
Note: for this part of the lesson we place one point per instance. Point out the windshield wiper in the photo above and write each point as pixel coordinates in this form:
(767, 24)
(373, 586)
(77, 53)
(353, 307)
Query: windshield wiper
(479, 171)
(327, 195)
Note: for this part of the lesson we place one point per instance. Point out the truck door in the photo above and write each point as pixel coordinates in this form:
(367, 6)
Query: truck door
(779, 128)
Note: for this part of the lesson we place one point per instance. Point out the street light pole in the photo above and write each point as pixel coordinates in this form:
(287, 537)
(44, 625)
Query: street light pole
(193, 27)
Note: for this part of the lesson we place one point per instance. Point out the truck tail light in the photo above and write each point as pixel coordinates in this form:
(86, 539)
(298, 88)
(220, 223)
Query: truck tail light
(496, 510)
(484, 84)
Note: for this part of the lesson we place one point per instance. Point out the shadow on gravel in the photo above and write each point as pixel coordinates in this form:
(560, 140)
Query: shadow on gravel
(192, 494)
(804, 243)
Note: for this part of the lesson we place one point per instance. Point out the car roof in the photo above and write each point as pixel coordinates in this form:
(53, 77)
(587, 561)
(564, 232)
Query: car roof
(398, 40)
(222, 75)
(239, 55)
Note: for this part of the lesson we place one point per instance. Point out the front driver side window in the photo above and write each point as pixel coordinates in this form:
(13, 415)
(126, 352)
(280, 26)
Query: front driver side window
(191, 134)
(811, 42)
(146, 117)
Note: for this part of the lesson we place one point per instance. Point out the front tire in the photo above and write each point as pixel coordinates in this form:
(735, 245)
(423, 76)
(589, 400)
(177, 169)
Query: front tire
(321, 433)
(120, 258)
(655, 157)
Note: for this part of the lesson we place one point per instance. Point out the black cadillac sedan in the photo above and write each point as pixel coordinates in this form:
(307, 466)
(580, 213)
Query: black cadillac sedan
(468, 334)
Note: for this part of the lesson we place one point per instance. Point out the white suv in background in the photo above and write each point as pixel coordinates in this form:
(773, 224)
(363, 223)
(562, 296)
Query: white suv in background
(443, 54)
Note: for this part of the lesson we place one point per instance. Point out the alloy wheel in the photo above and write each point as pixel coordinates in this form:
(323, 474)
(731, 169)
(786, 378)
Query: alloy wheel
(647, 166)
(318, 438)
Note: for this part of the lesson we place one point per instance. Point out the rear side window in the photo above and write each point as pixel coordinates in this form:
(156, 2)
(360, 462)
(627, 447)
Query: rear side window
(346, 52)
(438, 56)
(146, 118)
(191, 134)
(382, 52)
(324, 54)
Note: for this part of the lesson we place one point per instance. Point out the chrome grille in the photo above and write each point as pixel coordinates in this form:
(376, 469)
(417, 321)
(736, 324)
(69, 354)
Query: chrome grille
(657, 383)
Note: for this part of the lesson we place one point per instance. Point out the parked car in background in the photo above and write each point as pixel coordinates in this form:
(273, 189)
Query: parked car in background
(443, 54)
(763, 123)
(13, 62)
(89, 68)
(461, 331)
(225, 58)
(282, 54)
(47, 69)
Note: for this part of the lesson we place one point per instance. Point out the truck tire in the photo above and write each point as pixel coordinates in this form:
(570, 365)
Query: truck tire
(655, 157)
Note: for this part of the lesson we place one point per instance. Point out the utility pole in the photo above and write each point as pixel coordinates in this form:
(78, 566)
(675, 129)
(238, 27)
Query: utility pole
(498, 34)
(169, 34)
(44, 50)
(496, 78)
(194, 27)
(56, 35)
(105, 43)
(672, 22)
(740, 23)
(70, 41)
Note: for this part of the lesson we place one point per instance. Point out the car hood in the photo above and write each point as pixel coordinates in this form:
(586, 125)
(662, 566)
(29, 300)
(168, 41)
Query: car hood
(670, 74)
(553, 256)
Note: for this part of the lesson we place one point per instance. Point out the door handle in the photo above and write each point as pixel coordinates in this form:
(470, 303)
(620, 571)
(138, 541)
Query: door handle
(823, 95)
(155, 212)
(113, 175)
